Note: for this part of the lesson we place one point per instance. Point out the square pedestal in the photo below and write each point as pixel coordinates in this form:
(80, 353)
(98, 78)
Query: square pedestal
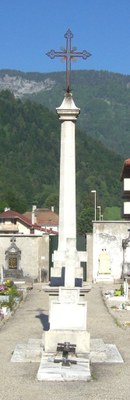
(68, 321)
(68, 312)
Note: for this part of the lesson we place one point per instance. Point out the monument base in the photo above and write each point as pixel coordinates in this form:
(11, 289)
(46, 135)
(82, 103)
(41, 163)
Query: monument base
(50, 370)
(68, 322)
(80, 338)
(66, 270)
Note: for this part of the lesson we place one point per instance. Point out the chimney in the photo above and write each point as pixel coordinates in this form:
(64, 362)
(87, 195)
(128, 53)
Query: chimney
(33, 214)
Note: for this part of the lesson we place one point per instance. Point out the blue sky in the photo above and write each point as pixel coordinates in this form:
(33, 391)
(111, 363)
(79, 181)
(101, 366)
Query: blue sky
(30, 28)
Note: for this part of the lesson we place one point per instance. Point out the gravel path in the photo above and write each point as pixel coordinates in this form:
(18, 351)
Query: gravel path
(18, 381)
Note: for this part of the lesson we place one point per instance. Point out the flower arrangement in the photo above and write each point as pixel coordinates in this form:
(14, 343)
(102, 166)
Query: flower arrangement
(10, 294)
(9, 283)
(119, 292)
(3, 289)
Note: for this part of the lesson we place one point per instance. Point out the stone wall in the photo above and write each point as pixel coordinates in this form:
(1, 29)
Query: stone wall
(106, 252)
(34, 262)
(89, 274)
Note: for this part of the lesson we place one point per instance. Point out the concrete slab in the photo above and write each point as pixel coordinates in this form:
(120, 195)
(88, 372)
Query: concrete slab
(28, 352)
(33, 352)
(19, 353)
(49, 371)
(101, 352)
(113, 355)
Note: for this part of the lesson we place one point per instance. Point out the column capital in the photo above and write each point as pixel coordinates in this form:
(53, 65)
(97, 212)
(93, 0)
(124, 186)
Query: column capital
(68, 110)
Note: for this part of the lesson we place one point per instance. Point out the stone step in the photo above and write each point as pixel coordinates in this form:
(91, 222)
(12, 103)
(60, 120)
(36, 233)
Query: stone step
(50, 371)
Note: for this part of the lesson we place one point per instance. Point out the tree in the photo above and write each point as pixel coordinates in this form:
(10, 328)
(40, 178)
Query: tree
(84, 223)
(52, 200)
(15, 201)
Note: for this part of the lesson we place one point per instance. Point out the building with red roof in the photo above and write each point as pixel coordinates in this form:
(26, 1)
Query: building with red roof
(38, 221)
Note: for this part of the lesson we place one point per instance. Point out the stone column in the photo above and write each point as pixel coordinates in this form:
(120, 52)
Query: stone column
(68, 113)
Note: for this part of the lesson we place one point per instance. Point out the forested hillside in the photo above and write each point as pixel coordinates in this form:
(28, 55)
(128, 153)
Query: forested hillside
(29, 161)
(103, 97)
(104, 100)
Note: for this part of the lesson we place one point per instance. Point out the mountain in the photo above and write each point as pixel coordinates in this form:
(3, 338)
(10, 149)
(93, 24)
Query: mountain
(103, 97)
(30, 155)
(21, 86)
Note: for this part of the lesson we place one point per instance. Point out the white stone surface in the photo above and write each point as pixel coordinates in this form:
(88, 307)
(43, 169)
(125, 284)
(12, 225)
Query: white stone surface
(68, 114)
(28, 352)
(99, 353)
(69, 295)
(104, 353)
(71, 262)
(49, 371)
(80, 338)
(69, 316)
(67, 255)
(19, 353)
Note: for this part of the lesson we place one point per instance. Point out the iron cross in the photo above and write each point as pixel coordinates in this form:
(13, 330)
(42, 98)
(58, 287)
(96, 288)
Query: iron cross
(68, 54)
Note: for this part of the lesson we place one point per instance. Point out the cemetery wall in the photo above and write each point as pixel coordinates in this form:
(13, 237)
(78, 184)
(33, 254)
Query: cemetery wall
(107, 248)
(89, 238)
(34, 261)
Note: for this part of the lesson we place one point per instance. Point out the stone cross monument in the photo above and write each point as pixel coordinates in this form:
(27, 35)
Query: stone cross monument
(66, 257)
(67, 312)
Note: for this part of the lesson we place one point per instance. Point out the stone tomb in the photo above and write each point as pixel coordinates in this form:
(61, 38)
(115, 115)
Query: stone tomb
(49, 370)
(68, 321)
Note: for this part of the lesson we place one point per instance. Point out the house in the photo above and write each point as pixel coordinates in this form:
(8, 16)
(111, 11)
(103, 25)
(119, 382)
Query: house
(39, 221)
(12, 222)
(45, 218)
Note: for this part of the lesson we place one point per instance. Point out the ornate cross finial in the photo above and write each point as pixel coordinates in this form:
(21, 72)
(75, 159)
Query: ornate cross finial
(68, 54)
